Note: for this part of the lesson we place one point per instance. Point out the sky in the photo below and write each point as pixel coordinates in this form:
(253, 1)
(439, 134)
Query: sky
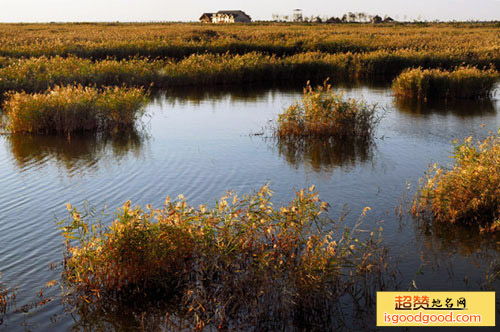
(191, 10)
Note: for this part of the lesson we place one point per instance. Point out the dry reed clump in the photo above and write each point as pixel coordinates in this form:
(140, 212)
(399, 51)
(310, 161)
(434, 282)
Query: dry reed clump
(462, 82)
(243, 263)
(324, 113)
(67, 109)
(469, 192)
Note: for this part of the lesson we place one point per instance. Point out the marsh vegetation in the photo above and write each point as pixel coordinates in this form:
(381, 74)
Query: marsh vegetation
(69, 109)
(460, 83)
(325, 113)
(467, 193)
(243, 263)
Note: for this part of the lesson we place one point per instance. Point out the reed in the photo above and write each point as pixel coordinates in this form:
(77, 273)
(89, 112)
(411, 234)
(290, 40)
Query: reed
(241, 264)
(324, 113)
(467, 193)
(461, 83)
(6, 298)
(68, 109)
(39, 74)
(121, 41)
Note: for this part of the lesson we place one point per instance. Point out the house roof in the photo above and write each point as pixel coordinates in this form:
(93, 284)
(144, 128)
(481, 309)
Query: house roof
(209, 15)
(235, 13)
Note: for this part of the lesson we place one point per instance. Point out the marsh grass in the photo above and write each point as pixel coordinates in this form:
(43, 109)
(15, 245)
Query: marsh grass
(100, 41)
(324, 113)
(460, 83)
(467, 193)
(38, 74)
(243, 263)
(68, 109)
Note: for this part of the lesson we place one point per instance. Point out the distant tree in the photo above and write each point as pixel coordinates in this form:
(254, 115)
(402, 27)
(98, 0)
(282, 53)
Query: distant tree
(352, 17)
(316, 19)
(344, 18)
(334, 19)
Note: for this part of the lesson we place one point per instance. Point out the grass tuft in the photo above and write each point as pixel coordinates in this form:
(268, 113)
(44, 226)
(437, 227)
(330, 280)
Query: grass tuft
(68, 109)
(324, 113)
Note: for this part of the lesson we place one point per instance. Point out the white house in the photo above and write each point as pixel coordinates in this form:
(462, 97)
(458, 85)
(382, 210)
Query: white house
(226, 16)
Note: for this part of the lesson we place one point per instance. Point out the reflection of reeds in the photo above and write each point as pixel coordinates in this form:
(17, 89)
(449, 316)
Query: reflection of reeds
(462, 108)
(324, 153)
(78, 151)
(443, 242)
(243, 263)
(460, 83)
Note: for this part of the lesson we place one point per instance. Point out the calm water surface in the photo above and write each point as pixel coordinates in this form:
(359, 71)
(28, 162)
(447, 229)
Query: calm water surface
(202, 144)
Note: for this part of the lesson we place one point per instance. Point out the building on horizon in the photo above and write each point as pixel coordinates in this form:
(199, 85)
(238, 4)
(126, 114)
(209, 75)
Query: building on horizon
(226, 16)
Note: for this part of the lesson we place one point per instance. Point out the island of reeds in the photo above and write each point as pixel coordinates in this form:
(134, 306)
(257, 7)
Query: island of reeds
(325, 113)
(239, 264)
(460, 83)
(468, 192)
(69, 109)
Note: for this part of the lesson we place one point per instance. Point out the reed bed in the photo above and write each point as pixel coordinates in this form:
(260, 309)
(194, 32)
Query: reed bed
(467, 193)
(99, 41)
(68, 109)
(243, 263)
(39, 74)
(324, 113)
(461, 83)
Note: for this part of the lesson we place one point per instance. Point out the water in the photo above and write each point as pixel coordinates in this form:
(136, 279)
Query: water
(202, 143)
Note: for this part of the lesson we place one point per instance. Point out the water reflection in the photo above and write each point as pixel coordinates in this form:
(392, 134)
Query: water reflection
(444, 243)
(75, 153)
(324, 154)
(459, 108)
(248, 94)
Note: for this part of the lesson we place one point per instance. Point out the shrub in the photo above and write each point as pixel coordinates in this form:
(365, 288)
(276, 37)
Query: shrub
(469, 192)
(73, 108)
(322, 112)
(463, 82)
(242, 263)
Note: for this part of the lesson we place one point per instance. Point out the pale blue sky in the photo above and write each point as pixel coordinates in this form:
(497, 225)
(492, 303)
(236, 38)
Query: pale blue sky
(190, 10)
